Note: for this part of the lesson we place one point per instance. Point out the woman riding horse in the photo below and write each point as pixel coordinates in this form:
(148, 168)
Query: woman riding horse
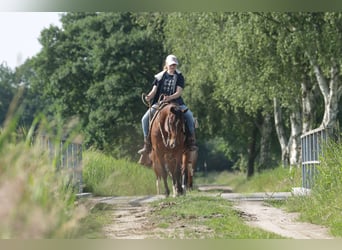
(170, 84)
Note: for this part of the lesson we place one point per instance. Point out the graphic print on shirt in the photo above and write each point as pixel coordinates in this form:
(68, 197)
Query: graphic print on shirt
(167, 87)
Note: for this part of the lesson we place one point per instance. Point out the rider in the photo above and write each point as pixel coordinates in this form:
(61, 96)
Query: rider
(169, 84)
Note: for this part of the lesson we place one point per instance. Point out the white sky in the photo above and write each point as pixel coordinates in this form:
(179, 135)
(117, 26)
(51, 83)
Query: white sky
(19, 32)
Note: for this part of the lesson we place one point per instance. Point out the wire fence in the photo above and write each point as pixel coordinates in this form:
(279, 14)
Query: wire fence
(312, 144)
(66, 156)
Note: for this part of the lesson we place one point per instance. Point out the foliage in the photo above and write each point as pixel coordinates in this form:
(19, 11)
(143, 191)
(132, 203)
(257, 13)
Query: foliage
(7, 86)
(96, 66)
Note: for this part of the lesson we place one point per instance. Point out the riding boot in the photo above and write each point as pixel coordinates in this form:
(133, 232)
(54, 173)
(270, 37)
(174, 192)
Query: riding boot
(146, 148)
(191, 143)
(144, 157)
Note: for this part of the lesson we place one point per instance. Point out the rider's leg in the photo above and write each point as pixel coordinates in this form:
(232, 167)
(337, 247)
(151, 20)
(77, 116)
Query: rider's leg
(145, 122)
(191, 139)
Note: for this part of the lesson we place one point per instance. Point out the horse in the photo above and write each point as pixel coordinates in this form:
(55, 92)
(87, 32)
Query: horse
(168, 147)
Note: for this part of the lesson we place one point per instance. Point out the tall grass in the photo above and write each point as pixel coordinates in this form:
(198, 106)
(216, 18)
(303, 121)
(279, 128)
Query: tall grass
(324, 204)
(36, 202)
(106, 176)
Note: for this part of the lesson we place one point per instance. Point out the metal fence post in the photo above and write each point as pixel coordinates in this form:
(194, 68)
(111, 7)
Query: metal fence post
(312, 144)
(68, 156)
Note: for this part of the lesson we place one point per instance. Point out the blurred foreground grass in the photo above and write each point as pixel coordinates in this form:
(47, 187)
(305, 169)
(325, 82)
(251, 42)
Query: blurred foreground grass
(36, 201)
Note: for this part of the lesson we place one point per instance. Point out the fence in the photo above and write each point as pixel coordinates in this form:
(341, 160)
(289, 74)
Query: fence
(312, 144)
(68, 156)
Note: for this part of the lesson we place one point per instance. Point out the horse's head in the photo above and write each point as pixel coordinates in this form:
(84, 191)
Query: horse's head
(174, 127)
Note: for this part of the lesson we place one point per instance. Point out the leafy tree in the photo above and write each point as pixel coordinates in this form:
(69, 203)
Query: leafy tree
(261, 65)
(8, 88)
(95, 67)
(227, 100)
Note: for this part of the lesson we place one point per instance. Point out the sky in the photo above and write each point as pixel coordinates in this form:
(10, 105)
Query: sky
(19, 33)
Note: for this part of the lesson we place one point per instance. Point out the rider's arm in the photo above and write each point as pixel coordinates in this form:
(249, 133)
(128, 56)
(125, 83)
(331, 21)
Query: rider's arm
(151, 94)
(177, 94)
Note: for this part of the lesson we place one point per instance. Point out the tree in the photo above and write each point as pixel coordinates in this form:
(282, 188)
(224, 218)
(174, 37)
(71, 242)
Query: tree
(264, 64)
(96, 67)
(220, 94)
(8, 88)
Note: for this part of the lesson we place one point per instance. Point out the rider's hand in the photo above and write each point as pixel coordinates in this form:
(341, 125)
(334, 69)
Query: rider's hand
(147, 98)
(166, 99)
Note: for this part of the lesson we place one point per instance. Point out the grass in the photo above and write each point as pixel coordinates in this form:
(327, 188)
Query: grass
(105, 176)
(201, 217)
(36, 201)
(324, 205)
(196, 215)
(274, 180)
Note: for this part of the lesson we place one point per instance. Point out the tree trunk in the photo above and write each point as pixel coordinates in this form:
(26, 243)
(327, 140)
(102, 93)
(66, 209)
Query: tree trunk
(252, 151)
(331, 93)
(281, 132)
(294, 145)
(265, 142)
(308, 100)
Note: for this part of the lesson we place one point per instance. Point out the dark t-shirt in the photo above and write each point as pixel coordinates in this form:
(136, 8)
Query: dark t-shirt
(167, 85)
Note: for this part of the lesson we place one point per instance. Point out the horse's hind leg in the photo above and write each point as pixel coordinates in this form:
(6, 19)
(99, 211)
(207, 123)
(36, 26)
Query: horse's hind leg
(184, 183)
(184, 171)
(177, 180)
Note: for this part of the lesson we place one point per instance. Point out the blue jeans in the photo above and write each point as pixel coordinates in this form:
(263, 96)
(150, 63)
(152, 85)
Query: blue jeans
(189, 119)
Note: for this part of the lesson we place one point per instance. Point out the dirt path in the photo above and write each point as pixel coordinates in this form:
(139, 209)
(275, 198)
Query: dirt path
(130, 220)
(258, 214)
(130, 217)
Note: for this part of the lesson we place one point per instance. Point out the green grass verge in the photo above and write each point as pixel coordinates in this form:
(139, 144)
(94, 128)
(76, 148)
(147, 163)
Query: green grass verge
(105, 176)
(202, 217)
(274, 180)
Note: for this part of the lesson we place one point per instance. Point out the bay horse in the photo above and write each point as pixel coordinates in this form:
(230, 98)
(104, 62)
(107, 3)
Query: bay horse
(168, 146)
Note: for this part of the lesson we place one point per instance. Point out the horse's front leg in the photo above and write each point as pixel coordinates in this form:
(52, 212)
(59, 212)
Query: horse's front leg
(158, 179)
(166, 186)
(164, 173)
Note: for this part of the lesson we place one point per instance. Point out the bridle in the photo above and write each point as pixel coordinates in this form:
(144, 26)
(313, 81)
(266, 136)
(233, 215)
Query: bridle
(166, 141)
